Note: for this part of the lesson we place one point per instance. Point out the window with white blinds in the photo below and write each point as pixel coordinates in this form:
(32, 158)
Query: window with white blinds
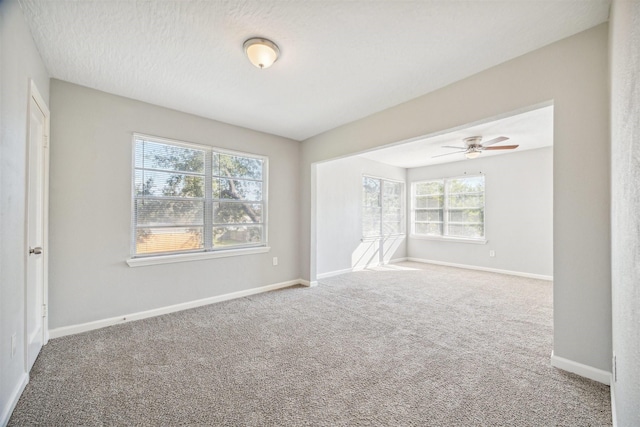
(193, 198)
(382, 207)
(449, 207)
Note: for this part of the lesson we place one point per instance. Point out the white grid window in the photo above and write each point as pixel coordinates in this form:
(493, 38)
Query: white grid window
(195, 198)
(382, 207)
(449, 207)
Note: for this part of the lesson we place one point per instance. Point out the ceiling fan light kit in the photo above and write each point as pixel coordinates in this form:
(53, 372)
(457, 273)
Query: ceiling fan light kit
(472, 154)
(474, 146)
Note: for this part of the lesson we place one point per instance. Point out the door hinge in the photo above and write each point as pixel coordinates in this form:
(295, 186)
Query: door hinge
(44, 310)
(45, 141)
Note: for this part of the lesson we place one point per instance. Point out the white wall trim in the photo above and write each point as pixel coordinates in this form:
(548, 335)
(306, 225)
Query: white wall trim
(89, 326)
(168, 259)
(614, 414)
(590, 372)
(10, 405)
(359, 268)
(308, 283)
(475, 267)
(335, 273)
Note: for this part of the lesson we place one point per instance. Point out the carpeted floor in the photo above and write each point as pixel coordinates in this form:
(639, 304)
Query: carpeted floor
(411, 344)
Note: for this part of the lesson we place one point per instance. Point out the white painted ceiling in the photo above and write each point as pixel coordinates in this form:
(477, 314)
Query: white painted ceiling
(340, 60)
(530, 130)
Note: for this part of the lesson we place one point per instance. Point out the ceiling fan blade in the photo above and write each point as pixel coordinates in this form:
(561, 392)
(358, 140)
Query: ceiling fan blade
(455, 152)
(495, 141)
(501, 147)
(451, 146)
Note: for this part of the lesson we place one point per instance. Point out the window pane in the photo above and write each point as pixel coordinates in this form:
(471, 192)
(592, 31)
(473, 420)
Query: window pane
(237, 235)
(236, 189)
(183, 193)
(154, 183)
(472, 200)
(169, 239)
(155, 155)
(468, 231)
(429, 202)
(428, 215)
(466, 215)
(431, 187)
(392, 216)
(237, 167)
(472, 184)
(237, 213)
(371, 192)
(154, 212)
(429, 228)
(463, 214)
(394, 227)
(370, 222)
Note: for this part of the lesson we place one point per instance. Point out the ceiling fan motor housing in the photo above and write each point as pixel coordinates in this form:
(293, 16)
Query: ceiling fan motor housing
(472, 141)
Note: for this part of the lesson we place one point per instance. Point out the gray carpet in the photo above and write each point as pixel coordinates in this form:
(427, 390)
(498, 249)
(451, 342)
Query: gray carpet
(412, 345)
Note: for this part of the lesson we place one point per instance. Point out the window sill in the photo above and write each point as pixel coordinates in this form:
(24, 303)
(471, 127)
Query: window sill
(169, 259)
(450, 239)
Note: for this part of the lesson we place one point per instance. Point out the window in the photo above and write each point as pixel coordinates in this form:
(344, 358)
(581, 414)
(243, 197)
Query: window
(192, 198)
(382, 212)
(450, 207)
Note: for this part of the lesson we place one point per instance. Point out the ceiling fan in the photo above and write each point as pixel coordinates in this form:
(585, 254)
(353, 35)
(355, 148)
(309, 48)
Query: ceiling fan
(474, 146)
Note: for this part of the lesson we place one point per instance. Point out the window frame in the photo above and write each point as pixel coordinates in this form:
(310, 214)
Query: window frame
(445, 210)
(403, 219)
(209, 250)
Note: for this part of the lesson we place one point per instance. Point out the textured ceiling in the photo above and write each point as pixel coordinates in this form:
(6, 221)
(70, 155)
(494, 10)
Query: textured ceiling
(530, 130)
(340, 60)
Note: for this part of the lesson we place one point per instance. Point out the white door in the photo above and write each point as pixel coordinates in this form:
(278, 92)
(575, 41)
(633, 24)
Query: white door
(37, 201)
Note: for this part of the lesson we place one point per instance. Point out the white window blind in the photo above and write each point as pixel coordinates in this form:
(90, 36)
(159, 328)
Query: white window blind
(382, 208)
(189, 198)
(450, 207)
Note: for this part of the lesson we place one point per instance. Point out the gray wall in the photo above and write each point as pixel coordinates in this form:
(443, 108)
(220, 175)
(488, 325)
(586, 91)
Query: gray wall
(518, 213)
(19, 62)
(339, 196)
(90, 212)
(625, 221)
(573, 73)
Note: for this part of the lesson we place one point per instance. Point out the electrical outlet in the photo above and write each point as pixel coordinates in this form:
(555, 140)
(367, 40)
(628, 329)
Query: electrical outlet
(275, 260)
(13, 345)
(492, 253)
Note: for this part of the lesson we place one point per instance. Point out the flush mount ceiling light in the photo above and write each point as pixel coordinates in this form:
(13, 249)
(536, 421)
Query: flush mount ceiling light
(261, 52)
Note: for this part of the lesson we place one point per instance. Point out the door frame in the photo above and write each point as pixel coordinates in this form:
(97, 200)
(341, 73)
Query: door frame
(34, 95)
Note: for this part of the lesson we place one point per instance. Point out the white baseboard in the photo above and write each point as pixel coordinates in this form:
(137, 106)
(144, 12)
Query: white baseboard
(614, 416)
(308, 283)
(359, 268)
(334, 273)
(10, 404)
(89, 326)
(586, 371)
(474, 267)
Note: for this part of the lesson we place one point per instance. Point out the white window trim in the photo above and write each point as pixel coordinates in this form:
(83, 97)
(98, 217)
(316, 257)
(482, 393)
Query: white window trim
(173, 257)
(453, 239)
(194, 256)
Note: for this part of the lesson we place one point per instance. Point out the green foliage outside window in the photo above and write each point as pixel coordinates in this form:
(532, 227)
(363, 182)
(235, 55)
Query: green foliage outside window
(188, 198)
(452, 207)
